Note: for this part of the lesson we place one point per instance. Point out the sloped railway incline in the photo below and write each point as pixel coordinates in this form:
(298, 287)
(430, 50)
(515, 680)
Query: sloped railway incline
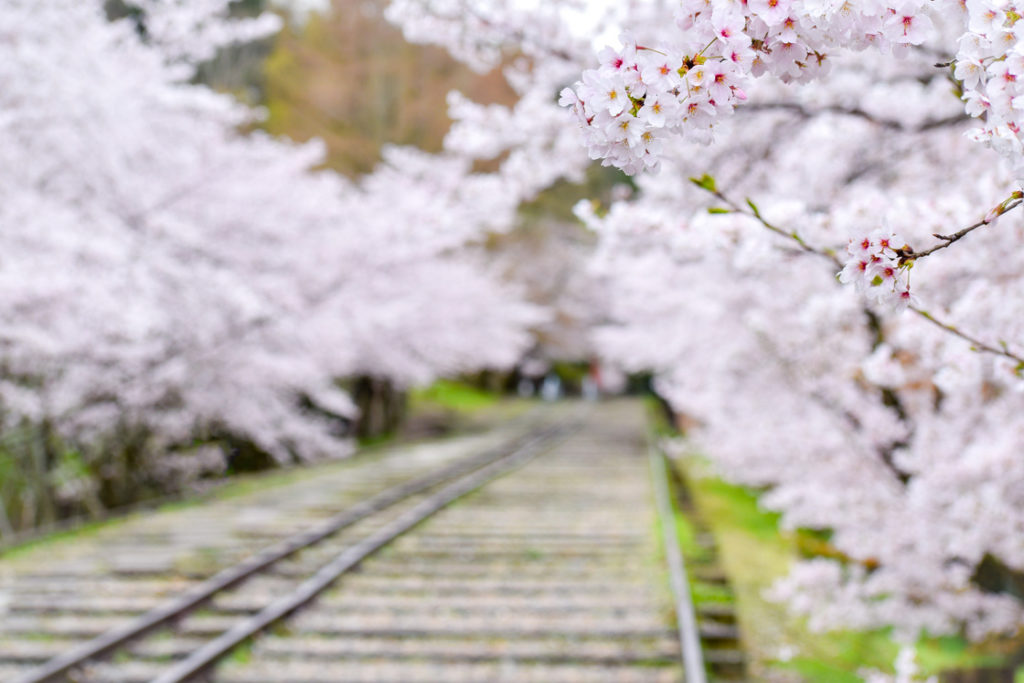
(533, 557)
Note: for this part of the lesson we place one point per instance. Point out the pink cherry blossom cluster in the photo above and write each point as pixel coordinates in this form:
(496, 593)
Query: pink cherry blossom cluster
(990, 65)
(875, 268)
(639, 94)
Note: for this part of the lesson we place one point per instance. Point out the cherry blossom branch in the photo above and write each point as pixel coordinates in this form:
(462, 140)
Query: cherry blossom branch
(707, 183)
(848, 419)
(907, 254)
(976, 344)
(887, 395)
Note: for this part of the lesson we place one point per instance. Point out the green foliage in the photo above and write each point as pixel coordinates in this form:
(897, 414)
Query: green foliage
(572, 373)
(42, 543)
(453, 395)
(656, 418)
(32, 467)
(705, 182)
(737, 507)
(950, 652)
(813, 670)
(375, 440)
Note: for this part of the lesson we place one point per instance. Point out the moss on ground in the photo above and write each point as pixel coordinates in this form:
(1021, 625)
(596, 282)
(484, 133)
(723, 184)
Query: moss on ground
(754, 553)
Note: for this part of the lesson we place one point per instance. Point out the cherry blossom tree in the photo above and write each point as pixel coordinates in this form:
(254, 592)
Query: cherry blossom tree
(824, 274)
(165, 274)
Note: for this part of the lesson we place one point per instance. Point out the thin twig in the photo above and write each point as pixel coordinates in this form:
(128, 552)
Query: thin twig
(752, 211)
(978, 345)
(857, 112)
(1006, 206)
(1011, 203)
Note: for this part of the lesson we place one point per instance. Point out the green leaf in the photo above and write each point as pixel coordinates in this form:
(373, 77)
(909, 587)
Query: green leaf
(753, 207)
(877, 281)
(705, 182)
(718, 209)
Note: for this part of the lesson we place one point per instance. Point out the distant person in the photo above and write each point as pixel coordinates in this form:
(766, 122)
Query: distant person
(551, 390)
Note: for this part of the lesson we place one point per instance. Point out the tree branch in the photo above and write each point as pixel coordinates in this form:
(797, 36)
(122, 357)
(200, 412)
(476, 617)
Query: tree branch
(1009, 204)
(707, 183)
(976, 344)
(857, 112)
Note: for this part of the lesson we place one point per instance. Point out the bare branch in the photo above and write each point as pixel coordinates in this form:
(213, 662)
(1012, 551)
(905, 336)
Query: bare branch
(1012, 202)
(752, 211)
(976, 344)
(857, 112)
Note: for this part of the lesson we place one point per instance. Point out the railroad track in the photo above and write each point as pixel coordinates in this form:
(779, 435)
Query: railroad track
(531, 576)
(708, 632)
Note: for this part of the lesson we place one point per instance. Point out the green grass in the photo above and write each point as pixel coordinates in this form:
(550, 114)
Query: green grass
(686, 536)
(475, 404)
(754, 553)
(656, 419)
(239, 486)
(86, 530)
(446, 395)
(452, 395)
(240, 656)
(686, 532)
(710, 593)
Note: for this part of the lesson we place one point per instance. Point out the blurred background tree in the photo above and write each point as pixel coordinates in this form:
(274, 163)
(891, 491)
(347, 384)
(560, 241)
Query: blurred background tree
(348, 77)
(345, 76)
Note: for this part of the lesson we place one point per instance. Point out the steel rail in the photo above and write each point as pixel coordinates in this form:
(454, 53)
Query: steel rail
(106, 643)
(686, 616)
(208, 655)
